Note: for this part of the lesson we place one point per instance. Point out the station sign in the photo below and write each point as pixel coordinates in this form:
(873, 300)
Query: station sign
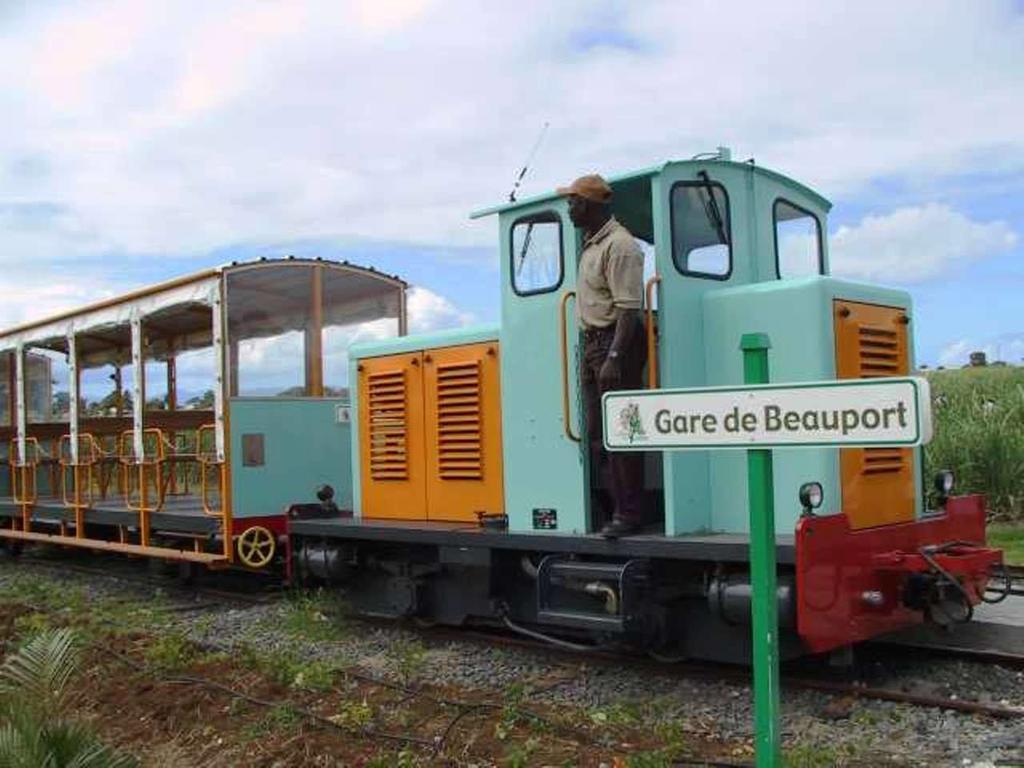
(848, 413)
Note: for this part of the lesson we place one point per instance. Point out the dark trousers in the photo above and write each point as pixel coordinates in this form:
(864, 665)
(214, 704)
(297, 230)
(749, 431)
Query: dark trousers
(622, 472)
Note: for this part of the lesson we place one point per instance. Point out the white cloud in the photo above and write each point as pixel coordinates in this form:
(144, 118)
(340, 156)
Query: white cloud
(181, 127)
(33, 295)
(914, 244)
(429, 311)
(1008, 348)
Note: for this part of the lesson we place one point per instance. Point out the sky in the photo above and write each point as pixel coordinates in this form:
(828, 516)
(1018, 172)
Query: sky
(142, 140)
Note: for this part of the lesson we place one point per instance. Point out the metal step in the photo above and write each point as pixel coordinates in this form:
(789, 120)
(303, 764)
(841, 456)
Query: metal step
(163, 553)
(580, 620)
(567, 588)
(581, 569)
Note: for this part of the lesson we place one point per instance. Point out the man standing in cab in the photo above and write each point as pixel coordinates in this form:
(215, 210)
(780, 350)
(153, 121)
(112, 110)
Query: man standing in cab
(609, 299)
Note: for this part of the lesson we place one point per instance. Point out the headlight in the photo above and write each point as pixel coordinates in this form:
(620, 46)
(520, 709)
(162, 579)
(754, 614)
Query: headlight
(944, 482)
(811, 495)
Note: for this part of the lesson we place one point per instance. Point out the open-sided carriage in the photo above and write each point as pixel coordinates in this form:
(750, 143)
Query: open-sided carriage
(180, 421)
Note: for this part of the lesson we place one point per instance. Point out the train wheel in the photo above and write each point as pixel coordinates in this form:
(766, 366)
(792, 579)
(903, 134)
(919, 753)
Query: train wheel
(256, 547)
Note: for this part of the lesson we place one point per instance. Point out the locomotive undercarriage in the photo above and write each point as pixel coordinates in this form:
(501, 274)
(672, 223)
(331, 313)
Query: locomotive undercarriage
(672, 609)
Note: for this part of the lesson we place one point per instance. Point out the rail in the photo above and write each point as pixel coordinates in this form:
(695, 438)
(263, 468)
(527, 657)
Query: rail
(563, 337)
(651, 332)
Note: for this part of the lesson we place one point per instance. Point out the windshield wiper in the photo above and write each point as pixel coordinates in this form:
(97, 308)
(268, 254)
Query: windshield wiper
(525, 248)
(711, 208)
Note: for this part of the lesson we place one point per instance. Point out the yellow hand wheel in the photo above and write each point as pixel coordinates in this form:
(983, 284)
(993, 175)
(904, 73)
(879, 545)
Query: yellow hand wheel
(256, 546)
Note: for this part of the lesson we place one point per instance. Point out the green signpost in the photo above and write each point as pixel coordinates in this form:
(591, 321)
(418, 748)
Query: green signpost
(765, 624)
(759, 417)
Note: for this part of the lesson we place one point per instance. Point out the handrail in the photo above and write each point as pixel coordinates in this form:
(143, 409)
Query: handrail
(24, 469)
(128, 460)
(66, 462)
(205, 462)
(652, 341)
(563, 336)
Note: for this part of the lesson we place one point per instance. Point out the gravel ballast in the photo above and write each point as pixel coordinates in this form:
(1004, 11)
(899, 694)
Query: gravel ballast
(817, 724)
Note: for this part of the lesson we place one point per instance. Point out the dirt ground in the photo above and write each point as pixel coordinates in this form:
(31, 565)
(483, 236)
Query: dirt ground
(174, 704)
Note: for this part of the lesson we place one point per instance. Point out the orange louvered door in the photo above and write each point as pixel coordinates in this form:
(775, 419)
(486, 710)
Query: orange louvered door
(878, 483)
(391, 437)
(463, 432)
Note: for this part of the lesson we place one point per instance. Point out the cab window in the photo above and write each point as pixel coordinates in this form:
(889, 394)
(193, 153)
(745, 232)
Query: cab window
(536, 253)
(701, 233)
(797, 241)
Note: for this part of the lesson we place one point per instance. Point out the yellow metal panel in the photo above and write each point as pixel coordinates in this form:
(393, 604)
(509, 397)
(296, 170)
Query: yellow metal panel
(878, 483)
(463, 441)
(391, 441)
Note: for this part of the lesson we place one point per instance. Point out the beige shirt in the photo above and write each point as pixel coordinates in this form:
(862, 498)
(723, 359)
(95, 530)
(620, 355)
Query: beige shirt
(611, 276)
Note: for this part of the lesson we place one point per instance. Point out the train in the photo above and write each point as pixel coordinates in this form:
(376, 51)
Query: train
(277, 415)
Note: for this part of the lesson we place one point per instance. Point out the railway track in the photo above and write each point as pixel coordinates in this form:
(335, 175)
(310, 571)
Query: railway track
(1016, 575)
(792, 679)
(222, 592)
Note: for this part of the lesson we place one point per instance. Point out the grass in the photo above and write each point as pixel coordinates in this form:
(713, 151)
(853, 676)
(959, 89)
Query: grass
(318, 616)
(286, 668)
(815, 756)
(979, 434)
(1008, 537)
(410, 659)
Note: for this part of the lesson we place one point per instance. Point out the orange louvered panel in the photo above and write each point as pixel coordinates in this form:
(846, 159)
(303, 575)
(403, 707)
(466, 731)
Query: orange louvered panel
(459, 422)
(463, 425)
(878, 483)
(389, 454)
(391, 437)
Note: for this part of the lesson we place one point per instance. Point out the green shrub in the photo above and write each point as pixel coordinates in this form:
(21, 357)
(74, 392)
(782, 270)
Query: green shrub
(979, 434)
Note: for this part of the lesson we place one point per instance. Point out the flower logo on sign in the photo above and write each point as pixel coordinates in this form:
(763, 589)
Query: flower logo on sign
(630, 425)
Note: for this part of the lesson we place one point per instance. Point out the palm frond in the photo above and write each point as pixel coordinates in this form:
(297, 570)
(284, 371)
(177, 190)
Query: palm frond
(21, 747)
(39, 673)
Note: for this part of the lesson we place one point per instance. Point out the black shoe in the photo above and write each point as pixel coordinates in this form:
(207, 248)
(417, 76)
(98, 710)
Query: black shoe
(619, 527)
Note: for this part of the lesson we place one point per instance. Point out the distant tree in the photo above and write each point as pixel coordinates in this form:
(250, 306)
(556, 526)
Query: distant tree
(108, 405)
(61, 404)
(201, 402)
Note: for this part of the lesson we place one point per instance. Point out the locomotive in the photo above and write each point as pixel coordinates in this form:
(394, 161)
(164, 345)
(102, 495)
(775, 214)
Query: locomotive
(451, 474)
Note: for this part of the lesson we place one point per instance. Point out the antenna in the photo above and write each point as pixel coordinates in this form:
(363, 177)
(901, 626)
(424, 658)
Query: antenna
(526, 165)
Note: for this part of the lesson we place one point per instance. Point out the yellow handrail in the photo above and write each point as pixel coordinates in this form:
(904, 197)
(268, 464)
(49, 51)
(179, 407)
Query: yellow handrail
(87, 449)
(128, 461)
(24, 468)
(205, 462)
(652, 341)
(563, 336)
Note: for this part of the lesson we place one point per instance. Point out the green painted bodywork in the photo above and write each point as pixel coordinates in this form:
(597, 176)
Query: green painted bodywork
(798, 317)
(544, 469)
(404, 344)
(304, 446)
(453, 337)
(701, 321)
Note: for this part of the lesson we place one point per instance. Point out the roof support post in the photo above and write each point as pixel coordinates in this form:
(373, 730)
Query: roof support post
(138, 388)
(73, 385)
(403, 320)
(172, 379)
(314, 334)
(218, 367)
(12, 390)
(19, 399)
